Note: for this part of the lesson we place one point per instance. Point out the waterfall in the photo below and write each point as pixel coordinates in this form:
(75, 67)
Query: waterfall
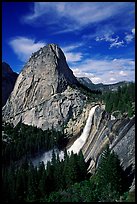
(78, 144)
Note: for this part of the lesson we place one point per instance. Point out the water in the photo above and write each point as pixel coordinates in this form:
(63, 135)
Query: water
(47, 156)
(78, 144)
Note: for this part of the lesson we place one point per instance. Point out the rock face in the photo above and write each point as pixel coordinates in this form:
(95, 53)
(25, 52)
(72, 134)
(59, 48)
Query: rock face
(105, 129)
(118, 133)
(8, 80)
(45, 94)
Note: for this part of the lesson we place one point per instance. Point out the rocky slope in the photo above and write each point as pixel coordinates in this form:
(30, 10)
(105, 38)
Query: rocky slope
(8, 80)
(45, 94)
(118, 133)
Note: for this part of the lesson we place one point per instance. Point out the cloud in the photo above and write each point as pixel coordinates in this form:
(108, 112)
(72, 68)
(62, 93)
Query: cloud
(133, 31)
(71, 54)
(106, 70)
(112, 79)
(79, 73)
(122, 73)
(70, 16)
(24, 47)
(101, 70)
(73, 57)
(114, 41)
(111, 72)
(117, 44)
(130, 36)
(72, 47)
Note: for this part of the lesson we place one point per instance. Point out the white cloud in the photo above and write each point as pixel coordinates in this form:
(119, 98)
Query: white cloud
(76, 14)
(122, 73)
(98, 70)
(133, 31)
(130, 36)
(106, 70)
(117, 44)
(108, 36)
(71, 54)
(71, 47)
(96, 80)
(24, 47)
(112, 79)
(79, 73)
(114, 41)
(73, 57)
(111, 72)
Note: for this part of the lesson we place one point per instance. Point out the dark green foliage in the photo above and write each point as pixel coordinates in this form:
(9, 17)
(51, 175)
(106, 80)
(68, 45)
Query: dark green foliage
(109, 177)
(30, 184)
(79, 192)
(26, 141)
(121, 100)
(65, 181)
(62, 181)
(106, 185)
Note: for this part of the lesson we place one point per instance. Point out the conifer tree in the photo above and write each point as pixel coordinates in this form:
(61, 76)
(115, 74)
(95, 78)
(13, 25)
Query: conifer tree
(109, 179)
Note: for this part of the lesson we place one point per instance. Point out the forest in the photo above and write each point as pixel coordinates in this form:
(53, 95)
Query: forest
(120, 101)
(66, 180)
(33, 140)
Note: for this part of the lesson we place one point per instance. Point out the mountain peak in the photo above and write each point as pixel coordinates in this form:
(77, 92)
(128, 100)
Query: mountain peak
(50, 62)
(50, 50)
(45, 74)
(8, 80)
(6, 68)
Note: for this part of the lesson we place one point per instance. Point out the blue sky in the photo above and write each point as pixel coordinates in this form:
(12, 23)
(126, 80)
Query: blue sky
(96, 37)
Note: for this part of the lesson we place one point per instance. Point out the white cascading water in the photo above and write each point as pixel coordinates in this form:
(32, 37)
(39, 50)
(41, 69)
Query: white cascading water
(78, 144)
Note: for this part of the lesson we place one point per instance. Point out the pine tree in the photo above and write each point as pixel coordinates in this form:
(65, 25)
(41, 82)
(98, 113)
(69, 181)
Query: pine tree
(82, 169)
(109, 179)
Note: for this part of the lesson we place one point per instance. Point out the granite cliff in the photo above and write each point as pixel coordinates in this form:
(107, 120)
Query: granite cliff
(106, 129)
(45, 94)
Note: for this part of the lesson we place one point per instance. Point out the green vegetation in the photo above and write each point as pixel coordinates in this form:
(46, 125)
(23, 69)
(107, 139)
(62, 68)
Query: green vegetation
(121, 100)
(66, 180)
(117, 102)
(106, 185)
(27, 141)
(28, 183)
